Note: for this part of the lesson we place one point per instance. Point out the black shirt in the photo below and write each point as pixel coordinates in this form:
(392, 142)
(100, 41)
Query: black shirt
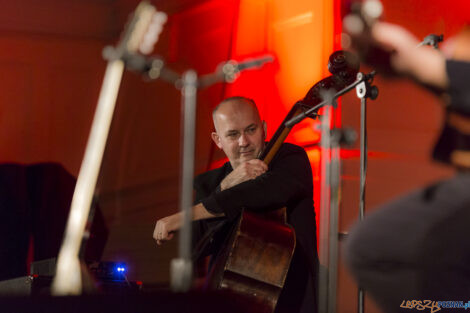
(451, 138)
(458, 73)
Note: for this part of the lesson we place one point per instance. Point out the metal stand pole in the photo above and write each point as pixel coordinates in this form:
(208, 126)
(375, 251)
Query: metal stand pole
(334, 173)
(363, 152)
(363, 91)
(181, 268)
(323, 251)
(362, 184)
(329, 239)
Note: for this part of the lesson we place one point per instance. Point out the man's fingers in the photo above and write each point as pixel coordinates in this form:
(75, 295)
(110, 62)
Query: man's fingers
(260, 169)
(393, 36)
(255, 168)
(159, 232)
(246, 171)
(161, 239)
(165, 227)
(258, 165)
(165, 235)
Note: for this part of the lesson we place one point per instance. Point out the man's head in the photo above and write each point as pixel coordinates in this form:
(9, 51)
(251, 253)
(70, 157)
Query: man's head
(239, 130)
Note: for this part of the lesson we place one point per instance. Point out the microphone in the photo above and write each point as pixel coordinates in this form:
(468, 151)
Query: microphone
(432, 40)
(231, 68)
(254, 63)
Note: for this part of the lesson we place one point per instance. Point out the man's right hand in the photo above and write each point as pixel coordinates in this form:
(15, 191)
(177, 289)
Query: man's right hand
(424, 64)
(244, 172)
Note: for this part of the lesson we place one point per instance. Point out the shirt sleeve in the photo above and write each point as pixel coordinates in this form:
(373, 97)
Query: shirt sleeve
(203, 231)
(289, 180)
(458, 73)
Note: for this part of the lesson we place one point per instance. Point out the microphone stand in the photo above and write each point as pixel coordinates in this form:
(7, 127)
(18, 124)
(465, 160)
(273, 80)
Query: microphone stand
(181, 268)
(330, 143)
(364, 90)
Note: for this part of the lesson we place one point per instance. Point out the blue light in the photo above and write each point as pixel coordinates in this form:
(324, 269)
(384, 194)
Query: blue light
(120, 269)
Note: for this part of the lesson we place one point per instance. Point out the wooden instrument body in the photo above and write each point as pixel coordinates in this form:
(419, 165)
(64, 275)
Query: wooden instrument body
(255, 260)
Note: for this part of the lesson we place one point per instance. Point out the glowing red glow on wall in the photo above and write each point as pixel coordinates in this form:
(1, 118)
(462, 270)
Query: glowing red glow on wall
(301, 35)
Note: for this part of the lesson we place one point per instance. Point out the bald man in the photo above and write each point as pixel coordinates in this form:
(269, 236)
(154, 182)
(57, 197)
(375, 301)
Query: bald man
(247, 182)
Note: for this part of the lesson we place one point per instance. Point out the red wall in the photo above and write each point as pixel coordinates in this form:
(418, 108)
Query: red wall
(140, 176)
(51, 66)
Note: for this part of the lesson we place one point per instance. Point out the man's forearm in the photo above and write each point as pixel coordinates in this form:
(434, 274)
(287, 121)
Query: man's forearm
(424, 64)
(201, 213)
(428, 66)
(165, 227)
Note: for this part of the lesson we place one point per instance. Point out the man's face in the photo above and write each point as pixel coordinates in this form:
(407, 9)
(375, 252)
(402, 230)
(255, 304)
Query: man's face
(239, 131)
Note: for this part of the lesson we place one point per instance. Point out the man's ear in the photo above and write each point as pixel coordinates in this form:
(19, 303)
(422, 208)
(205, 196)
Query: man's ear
(215, 137)
(265, 130)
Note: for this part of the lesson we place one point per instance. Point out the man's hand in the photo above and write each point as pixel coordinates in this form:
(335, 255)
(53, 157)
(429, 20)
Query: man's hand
(245, 171)
(424, 64)
(165, 227)
(398, 41)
